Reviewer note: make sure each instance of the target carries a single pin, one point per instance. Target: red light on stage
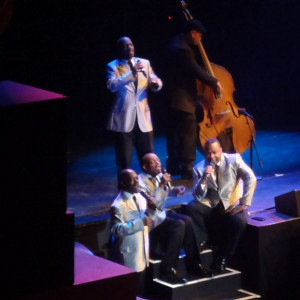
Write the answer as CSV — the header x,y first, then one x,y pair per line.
x,y
169,18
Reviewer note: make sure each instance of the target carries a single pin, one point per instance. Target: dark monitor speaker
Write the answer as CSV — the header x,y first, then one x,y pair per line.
x,y
288,203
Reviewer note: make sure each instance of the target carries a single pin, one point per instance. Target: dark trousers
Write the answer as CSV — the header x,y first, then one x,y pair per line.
x,y
141,283
170,234
174,233
181,141
124,143
221,229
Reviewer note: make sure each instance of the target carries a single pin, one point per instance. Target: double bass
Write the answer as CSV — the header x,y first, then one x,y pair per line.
x,y
222,118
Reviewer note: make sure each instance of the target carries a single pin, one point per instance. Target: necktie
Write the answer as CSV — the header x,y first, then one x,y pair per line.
x,y
136,204
217,174
131,66
133,72
215,199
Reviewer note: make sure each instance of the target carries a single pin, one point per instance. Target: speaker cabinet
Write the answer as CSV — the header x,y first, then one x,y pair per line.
x,y
268,257
288,203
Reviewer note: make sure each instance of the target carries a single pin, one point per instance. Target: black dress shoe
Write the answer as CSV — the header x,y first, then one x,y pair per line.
x,y
220,265
171,276
199,271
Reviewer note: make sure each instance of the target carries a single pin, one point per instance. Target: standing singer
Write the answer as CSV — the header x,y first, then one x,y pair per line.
x,y
129,77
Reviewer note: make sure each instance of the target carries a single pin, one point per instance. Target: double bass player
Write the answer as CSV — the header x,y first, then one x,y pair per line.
x,y
185,66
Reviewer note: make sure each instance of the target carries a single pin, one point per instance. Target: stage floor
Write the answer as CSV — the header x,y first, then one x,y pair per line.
x,y
92,179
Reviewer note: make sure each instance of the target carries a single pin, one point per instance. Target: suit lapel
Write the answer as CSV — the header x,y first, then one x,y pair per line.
x,y
131,207
123,67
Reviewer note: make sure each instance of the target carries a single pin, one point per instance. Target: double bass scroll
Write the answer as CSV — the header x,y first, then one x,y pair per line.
x,y
222,118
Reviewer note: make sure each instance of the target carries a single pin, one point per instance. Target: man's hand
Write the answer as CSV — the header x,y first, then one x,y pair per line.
x,y
218,90
151,203
178,190
138,66
153,82
207,171
238,209
165,179
147,221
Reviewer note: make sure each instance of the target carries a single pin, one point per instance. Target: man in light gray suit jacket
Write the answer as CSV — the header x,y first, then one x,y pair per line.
x,y
129,77
130,226
224,187
173,230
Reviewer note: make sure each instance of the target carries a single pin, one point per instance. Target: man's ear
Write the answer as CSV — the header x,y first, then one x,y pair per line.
x,y
122,184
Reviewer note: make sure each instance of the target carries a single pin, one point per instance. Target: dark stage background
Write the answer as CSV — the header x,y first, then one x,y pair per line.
x,y
64,45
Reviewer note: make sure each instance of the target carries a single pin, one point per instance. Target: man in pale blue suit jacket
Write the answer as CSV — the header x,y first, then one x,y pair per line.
x,y
130,226
129,77
172,229
224,188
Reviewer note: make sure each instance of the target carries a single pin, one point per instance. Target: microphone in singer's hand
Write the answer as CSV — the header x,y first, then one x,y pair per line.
x,y
148,198
143,69
163,170
213,166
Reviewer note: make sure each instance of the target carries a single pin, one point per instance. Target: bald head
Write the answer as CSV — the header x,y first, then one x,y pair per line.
x,y
151,164
128,181
125,48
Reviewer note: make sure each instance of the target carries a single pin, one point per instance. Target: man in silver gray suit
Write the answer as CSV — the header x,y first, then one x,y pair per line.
x,y
129,227
223,189
129,78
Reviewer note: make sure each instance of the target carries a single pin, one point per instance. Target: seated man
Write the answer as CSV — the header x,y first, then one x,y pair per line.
x,y
172,229
218,215
130,226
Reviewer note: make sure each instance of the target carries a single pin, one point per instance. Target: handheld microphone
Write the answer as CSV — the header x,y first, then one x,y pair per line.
x,y
208,174
148,197
163,171
143,69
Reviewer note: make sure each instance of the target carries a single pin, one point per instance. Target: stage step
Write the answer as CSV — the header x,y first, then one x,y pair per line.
x,y
206,258
221,286
95,278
